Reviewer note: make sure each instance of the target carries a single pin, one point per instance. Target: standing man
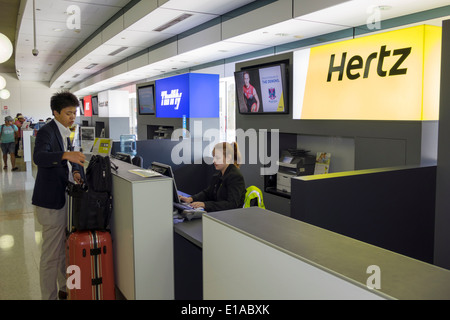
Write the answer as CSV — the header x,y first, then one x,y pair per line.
x,y
8,137
19,121
55,163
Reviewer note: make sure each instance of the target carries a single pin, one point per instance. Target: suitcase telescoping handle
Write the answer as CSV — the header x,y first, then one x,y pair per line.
x,y
80,169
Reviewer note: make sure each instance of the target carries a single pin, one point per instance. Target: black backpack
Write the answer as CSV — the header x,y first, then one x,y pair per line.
x,y
90,204
98,174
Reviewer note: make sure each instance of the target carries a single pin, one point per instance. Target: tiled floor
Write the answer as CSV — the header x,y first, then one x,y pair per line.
x,y
19,236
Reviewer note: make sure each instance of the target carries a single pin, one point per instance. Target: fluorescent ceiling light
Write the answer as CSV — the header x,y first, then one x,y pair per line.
x,y
117,51
91,65
173,22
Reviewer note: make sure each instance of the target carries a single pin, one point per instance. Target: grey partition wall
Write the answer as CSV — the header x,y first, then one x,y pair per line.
x,y
191,177
442,247
391,208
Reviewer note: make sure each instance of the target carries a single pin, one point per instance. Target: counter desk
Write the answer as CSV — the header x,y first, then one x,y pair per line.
x,y
142,233
258,254
188,239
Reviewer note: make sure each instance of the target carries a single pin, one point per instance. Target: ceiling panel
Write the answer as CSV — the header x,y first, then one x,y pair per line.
x,y
130,38
56,46
356,12
54,40
161,16
212,7
286,32
90,11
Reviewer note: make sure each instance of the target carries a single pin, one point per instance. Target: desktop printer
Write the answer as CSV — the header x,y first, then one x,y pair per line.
x,y
293,163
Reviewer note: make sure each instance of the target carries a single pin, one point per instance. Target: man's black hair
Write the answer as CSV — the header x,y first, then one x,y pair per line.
x,y
63,100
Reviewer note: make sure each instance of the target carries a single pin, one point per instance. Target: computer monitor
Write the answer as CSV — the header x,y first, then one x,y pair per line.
x,y
125,157
166,170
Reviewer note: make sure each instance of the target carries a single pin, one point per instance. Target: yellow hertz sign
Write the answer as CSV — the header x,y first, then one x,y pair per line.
x,y
387,76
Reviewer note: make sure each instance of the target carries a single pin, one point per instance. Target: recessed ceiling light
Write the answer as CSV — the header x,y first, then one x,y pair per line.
x,y
173,22
91,65
117,51
58,29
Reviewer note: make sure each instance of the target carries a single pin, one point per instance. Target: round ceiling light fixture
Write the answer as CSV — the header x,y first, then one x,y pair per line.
x,y
6,48
4,94
2,83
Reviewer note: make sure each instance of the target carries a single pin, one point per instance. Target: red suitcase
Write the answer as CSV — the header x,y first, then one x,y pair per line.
x,y
89,253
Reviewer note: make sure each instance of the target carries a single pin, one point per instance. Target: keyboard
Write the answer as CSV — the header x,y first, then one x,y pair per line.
x,y
188,212
182,206
193,214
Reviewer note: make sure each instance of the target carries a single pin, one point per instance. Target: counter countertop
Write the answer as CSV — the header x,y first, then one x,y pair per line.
x,y
401,277
191,230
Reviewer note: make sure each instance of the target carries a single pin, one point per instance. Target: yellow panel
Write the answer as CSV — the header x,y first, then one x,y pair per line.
x,y
377,77
432,72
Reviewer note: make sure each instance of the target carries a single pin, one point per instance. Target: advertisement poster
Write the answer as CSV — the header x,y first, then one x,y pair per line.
x,y
272,89
87,138
87,106
322,163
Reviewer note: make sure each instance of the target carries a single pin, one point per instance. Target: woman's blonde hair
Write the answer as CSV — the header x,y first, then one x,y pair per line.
x,y
229,149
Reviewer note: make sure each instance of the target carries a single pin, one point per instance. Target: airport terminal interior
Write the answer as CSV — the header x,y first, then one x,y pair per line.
x,y
340,109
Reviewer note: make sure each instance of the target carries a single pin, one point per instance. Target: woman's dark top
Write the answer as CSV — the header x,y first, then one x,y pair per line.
x,y
225,192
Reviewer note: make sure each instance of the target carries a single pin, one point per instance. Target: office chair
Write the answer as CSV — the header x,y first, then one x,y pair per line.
x,y
138,161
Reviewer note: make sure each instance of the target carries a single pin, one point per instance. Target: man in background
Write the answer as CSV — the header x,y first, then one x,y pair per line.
x,y
8,138
19,121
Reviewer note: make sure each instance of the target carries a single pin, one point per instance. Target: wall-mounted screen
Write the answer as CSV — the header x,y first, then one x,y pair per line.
x,y
146,99
262,90
95,105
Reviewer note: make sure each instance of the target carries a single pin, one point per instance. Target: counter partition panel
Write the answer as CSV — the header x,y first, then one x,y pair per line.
x,y
393,208
257,254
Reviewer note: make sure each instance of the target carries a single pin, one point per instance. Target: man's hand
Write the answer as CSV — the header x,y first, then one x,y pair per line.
x,y
75,157
77,177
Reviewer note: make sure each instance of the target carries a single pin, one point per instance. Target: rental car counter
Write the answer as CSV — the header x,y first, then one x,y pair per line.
x,y
256,254
249,254
142,233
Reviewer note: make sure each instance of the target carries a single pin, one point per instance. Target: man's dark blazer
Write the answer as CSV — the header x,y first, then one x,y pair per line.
x,y
53,173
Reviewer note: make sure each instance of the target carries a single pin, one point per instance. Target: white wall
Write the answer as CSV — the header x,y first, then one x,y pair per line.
x,y
30,98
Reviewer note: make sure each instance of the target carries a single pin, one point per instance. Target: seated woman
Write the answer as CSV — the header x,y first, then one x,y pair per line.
x,y
227,190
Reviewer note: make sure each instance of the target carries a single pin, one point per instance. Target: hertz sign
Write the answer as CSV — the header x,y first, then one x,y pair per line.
x,y
388,76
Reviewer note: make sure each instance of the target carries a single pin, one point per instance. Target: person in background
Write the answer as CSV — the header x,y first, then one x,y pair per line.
x,y
19,121
55,164
227,190
8,138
